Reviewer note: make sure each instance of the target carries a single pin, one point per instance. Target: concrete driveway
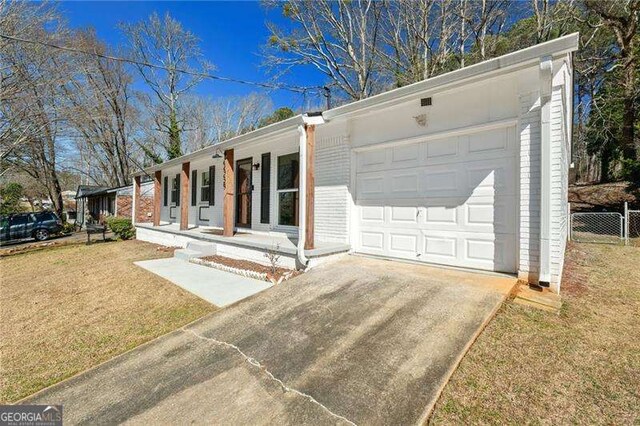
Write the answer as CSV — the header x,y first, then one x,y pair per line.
x,y
359,341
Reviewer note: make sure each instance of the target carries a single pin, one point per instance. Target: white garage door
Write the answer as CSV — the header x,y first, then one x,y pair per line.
x,y
450,201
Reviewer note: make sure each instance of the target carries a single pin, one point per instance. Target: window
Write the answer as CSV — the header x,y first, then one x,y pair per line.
x,y
175,192
288,175
22,219
204,190
166,190
194,187
265,188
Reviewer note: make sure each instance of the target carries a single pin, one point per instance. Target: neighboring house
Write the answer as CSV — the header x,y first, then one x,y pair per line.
x,y
467,169
97,203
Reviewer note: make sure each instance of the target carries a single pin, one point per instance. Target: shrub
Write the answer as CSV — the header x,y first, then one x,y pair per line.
x,y
68,228
122,227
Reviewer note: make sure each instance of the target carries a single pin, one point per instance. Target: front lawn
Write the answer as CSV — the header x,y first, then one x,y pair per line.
x,y
579,367
66,309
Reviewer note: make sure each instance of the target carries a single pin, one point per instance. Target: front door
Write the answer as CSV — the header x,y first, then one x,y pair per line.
x,y
244,188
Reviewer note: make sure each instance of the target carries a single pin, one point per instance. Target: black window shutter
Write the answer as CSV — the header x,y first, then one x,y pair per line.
x,y
194,187
265,188
212,185
166,190
178,189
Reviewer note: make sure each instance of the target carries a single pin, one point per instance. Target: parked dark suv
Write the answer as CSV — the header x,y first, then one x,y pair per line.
x,y
38,225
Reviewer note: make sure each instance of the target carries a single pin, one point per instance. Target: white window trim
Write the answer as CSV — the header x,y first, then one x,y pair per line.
x,y
201,186
276,219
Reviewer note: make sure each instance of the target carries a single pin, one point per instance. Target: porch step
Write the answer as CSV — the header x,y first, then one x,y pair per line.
x,y
195,249
207,249
186,254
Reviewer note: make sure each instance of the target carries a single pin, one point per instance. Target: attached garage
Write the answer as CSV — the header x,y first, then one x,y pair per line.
x,y
451,200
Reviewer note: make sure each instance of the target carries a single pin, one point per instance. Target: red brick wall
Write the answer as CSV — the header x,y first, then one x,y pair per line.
x,y
145,209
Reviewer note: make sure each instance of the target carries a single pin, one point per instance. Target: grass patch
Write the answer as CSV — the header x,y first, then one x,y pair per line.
x,y
66,309
581,366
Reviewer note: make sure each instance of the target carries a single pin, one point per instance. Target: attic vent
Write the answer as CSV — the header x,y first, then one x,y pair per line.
x,y
425,102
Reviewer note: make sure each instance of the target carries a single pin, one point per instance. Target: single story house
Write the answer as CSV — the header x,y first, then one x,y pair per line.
x,y
467,169
97,203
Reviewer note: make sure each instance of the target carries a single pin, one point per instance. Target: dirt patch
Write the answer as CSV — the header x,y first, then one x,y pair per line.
x,y
581,366
253,266
66,309
603,197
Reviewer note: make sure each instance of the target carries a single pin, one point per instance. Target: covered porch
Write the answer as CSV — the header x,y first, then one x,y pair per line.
x,y
246,245
249,194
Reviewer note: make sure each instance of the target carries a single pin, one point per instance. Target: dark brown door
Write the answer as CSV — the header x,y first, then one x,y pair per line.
x,y
244,188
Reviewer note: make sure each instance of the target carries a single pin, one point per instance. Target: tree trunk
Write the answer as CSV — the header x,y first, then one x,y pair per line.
x,y
630,147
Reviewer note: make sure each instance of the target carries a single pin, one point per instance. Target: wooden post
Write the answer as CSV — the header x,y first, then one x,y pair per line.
x,y
184,196
136,200
157,197
229,192
309,241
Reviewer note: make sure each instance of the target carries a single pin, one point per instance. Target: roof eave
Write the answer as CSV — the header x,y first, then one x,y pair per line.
x,y
506,63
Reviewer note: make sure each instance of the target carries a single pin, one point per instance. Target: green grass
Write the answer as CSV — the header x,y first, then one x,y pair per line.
x,y
579,366
66,309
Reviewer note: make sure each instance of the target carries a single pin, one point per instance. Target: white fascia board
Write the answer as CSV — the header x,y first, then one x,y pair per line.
x,y
506,63
270,130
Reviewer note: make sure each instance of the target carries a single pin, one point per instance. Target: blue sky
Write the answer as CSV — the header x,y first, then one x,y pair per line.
x,y
231,34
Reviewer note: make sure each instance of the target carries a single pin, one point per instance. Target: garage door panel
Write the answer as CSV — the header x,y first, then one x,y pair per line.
x,y
403,215
404,183
490,177
405,156
440,248
369,161
372,214
372,241
470,250
371,186
442,150
403,243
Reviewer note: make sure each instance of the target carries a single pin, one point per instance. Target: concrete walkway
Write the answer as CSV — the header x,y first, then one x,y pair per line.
x,y
358,341
215,286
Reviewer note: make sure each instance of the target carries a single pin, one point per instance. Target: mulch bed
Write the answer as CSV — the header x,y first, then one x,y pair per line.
x,y
251,266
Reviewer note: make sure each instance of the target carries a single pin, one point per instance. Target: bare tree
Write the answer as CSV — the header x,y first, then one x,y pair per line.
x,y
338,38
165,43
485,19
100,111
31,76
622,17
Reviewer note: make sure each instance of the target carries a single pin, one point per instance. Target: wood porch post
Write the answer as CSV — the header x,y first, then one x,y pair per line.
x,y
309,241
229,191
136,200
157,191
184,196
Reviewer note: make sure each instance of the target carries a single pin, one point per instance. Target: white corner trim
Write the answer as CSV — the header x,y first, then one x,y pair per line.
x,y
133,203
546,78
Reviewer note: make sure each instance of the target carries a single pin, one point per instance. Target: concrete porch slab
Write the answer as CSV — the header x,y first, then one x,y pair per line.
x,y
217,287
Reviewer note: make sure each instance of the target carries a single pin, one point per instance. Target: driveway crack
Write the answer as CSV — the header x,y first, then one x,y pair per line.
x,y
262,368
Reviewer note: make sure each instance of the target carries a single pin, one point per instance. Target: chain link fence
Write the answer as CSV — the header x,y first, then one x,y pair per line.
x,y
602,227
606,227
